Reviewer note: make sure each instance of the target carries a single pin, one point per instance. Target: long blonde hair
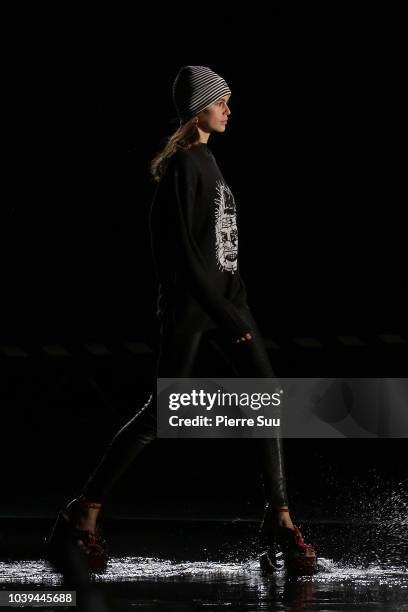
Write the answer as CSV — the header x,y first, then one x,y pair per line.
x,y
184,137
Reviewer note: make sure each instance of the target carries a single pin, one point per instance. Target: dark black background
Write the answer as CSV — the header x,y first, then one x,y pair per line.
x,y
311,156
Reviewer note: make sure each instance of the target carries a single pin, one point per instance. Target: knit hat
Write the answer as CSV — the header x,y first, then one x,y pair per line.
x,y
195,88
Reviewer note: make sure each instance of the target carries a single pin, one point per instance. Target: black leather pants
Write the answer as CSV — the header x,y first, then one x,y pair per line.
x,y
176,358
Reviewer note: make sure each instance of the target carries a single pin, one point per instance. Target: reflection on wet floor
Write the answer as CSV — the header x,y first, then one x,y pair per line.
x,y
178,565
149,583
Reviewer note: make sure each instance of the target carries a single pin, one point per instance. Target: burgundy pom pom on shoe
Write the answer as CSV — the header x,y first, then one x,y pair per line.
x,y
64,534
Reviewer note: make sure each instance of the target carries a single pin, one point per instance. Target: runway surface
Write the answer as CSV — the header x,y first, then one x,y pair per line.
x,y
213,566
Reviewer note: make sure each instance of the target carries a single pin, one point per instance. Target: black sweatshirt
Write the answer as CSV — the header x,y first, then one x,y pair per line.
x,y
194,238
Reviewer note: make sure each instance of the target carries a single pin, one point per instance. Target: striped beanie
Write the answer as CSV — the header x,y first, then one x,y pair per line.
x,y
195,88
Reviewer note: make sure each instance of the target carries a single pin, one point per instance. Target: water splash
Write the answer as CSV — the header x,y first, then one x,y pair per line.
x,y
237,585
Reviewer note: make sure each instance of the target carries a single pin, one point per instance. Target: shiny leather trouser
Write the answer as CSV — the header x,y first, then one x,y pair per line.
x,y
177,354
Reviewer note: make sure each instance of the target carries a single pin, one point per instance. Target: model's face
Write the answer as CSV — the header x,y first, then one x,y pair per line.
x,y
215,117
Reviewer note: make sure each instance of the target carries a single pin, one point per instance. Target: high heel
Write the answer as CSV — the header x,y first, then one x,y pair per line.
x,y
300,558
93,545
287,545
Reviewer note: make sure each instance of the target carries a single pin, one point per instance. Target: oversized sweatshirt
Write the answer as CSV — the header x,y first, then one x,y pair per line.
x,y
194,238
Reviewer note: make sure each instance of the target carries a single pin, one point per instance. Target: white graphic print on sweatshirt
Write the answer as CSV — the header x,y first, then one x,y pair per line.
x,y
226,231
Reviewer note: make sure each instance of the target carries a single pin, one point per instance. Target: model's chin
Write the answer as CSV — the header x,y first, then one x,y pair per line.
x,y
220,127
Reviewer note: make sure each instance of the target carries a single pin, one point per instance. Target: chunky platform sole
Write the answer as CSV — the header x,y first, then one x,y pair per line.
x,y
287,549
64,539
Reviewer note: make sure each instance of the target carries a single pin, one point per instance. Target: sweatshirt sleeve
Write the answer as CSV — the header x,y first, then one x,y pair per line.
x,y
184,178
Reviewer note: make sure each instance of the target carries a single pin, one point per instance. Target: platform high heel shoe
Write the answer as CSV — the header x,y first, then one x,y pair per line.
x,y
64,533
285,548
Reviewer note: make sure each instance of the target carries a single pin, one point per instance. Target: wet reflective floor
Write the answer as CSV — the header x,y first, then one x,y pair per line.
x,y
156,584
182,565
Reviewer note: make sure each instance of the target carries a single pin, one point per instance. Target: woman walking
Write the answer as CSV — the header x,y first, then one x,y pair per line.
x,y
202,300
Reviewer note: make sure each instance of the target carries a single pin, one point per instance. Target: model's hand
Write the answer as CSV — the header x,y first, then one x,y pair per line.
x,y
245,338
